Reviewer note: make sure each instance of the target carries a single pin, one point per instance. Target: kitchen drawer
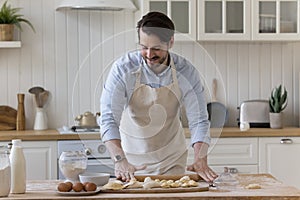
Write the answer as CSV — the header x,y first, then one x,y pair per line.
x,y
230,151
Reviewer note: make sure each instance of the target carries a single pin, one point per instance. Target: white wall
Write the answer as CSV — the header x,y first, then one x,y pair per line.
x,y
71,52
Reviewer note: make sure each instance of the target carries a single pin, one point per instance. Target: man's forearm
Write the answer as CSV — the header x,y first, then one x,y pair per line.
x,y
200,150
114,147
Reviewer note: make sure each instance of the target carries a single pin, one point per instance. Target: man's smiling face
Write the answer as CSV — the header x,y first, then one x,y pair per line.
x,y
154,51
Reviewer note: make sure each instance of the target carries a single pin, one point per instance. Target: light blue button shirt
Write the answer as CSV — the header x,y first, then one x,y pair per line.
x,y
120,85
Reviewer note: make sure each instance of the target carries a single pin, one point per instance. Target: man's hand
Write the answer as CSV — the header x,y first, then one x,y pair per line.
x,y
200,163
125,171
200,167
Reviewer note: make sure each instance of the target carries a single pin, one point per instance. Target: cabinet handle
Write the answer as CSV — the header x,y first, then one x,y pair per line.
x,y
286,141
88,151
9,145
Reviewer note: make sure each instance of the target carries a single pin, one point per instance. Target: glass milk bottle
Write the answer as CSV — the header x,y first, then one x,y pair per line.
x,y
18,168
4,172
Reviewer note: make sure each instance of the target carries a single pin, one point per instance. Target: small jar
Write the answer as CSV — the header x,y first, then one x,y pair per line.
x,y
4,172
226,181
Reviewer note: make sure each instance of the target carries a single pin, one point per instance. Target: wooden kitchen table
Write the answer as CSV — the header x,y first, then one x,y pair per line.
x,y
270,189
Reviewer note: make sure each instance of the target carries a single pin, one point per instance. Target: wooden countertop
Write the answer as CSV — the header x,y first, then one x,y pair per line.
x,y
31,135
255,132
270,189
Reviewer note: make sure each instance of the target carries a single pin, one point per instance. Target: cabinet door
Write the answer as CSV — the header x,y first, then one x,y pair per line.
x,y
41,159
275,19
280,157
224,20
182,12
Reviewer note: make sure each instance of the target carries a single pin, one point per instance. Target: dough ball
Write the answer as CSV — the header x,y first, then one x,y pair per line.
x,y
114,185
151,184
253,186
147,179
184,179
133,183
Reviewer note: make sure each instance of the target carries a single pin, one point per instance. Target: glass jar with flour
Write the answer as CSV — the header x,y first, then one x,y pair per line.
x,y
4,172
71,164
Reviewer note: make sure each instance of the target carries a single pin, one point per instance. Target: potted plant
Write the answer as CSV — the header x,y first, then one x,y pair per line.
x,y
277,102
9,18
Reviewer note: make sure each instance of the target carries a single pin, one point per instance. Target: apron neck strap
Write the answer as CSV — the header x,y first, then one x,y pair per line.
x,y
173,71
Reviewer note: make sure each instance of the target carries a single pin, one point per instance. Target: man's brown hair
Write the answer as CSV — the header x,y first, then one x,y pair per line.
x,y
158,24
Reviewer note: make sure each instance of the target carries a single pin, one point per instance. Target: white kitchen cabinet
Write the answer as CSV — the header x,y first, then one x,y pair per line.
x,y
239,154
182,12
41,159
275,19
224,20
280,157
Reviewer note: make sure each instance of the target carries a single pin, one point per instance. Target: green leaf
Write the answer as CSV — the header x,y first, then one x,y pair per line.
x,y
278,99
9,15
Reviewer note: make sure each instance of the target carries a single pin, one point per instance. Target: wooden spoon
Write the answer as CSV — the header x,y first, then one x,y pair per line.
x,y
36,90
43,97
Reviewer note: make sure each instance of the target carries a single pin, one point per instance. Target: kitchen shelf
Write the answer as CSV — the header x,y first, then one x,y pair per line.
x,y
10,44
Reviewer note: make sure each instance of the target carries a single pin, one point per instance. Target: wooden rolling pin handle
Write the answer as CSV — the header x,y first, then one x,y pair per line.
x,y
20,123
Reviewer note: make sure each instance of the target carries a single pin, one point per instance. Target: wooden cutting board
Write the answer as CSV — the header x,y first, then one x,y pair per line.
x,y
203,186
8,118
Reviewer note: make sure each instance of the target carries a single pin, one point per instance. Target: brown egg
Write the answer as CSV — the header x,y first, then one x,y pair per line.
x,y
84,184
63,187
90,187
70,185
77,187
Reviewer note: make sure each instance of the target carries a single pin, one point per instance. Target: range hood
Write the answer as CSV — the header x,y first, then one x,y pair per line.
x,y
101,5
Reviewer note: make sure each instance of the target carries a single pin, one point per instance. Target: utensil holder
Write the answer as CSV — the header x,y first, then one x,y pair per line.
x,y
40,122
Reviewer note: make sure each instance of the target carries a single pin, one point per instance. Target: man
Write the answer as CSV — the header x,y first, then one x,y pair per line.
x,y
141,102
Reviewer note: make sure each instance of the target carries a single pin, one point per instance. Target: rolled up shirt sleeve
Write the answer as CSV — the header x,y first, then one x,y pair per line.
x,y
194,101
111,110
116,92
